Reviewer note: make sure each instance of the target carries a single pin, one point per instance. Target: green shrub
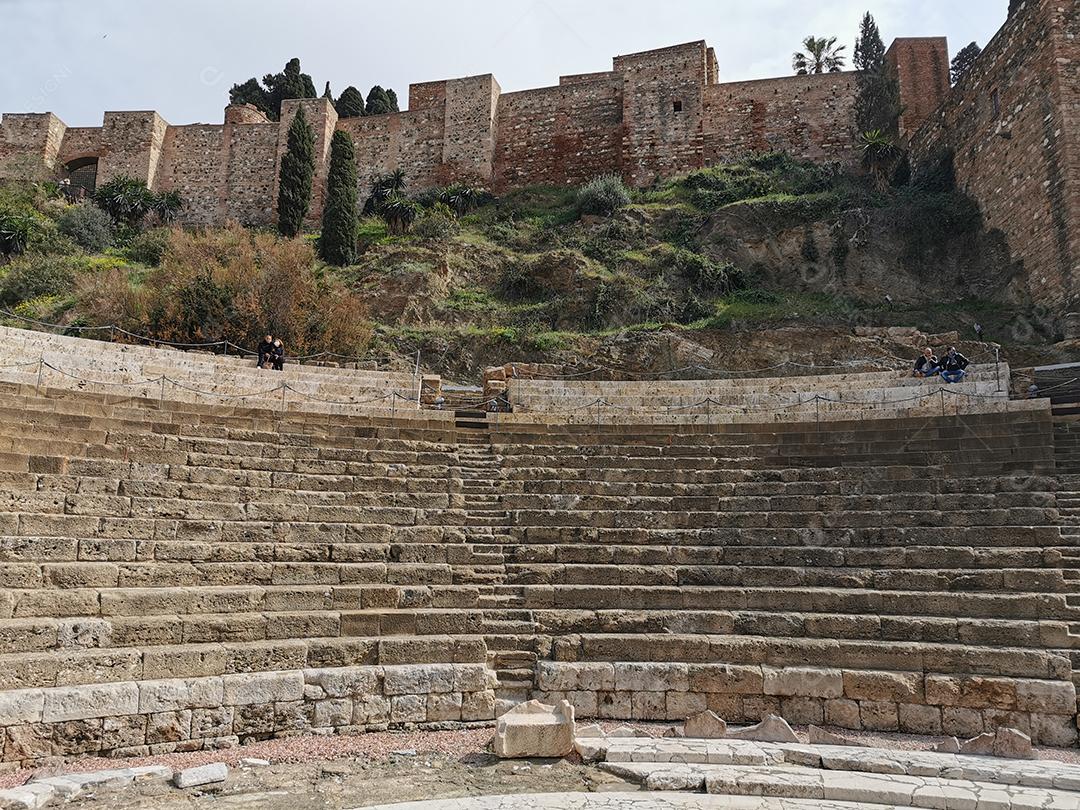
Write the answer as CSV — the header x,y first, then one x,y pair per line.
x,y
36,276
149,246
437,224
88,226
17,230
706,276
603,196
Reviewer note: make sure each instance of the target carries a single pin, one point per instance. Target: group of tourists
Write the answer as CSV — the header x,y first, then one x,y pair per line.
x,y
952,368
272,353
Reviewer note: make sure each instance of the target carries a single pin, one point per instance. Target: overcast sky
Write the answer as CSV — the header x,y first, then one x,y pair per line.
x,y
78,58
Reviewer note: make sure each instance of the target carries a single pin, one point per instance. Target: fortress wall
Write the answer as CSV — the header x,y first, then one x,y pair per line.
x,y
79,142
193,161
559,135
1007,124
410,140
811,117
469,128
582,78
29,144
427,96
661,140
250,173
131,146
921,66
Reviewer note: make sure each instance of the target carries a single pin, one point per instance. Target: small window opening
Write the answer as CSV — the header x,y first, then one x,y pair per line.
x,y
677,106
995,97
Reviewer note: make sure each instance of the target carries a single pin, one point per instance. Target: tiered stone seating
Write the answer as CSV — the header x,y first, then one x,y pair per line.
x,y
174,576
901,574
177,574
63,362
830,396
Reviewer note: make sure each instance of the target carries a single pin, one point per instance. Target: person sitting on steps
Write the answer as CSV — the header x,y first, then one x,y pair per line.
x,y
954,366
265,351
927,365
278,355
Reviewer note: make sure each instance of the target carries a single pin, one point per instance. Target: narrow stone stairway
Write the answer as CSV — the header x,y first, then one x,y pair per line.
x,y
508,629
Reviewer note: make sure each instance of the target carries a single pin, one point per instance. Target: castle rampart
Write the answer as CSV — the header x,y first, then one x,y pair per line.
x,y
654,115
1011,128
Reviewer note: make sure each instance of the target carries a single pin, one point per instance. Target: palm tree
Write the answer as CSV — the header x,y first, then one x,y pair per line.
x,y
880,154
822,56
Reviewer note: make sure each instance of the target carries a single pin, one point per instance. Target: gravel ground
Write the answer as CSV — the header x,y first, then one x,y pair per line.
x,y
329,773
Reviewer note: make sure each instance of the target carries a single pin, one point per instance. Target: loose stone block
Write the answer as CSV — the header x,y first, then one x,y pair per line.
x,y
203,775
534,729
706,726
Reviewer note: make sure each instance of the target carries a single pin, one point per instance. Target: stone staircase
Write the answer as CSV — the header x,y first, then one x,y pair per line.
x,y
508,632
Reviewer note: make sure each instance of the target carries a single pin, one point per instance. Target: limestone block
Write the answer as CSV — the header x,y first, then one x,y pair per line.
x,y
171,695
203,775
588,677
803,682
1046,697
681,705
444,707
1012,744
648,706
473,678
960,722
981,745
971,691
344,681
950,745
408,709
28,797
93,700
168,727
215,722
897,687
819,736
333,713
705,726
878,715
803,710
19,706
726,679
371,710
477,706
407,680
649,677
614,705
534,729
918,719
1053,729
843,713
262,687
771,729
591,731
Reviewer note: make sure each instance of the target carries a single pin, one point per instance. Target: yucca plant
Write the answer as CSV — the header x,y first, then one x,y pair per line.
x,y
879,156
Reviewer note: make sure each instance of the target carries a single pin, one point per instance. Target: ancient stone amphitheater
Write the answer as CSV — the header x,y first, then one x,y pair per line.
x,y
196,552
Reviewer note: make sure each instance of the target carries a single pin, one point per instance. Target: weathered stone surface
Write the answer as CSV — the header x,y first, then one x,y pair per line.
x,y
262,687
705,725
93,700
202,775
803,682
981,745
771,729
1012,744
534,729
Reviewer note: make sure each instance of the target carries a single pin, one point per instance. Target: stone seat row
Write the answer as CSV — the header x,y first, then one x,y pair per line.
x,y
26,346
849,380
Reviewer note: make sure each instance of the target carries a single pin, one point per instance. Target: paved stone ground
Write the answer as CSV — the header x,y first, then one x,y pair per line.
x,y
355,783
627,801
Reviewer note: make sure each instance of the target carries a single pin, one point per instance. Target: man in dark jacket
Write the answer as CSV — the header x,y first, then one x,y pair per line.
x,y
954,366
266,351
927,365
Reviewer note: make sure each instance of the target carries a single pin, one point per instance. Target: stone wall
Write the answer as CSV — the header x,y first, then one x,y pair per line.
x,y
874,700
654,115
140,718
921,67
1011,125
562,135
811,117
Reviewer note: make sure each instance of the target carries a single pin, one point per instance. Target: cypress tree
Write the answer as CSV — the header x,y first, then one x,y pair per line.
x,y
877,99
351,103
379,102
337,245
297,173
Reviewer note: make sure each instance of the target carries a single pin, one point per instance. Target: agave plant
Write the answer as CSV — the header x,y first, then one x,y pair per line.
x,y
167,205
879,155
383,187
399,213
822,55
15,232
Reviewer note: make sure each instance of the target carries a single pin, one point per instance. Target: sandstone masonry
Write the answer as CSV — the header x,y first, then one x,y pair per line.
x,y
654,115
